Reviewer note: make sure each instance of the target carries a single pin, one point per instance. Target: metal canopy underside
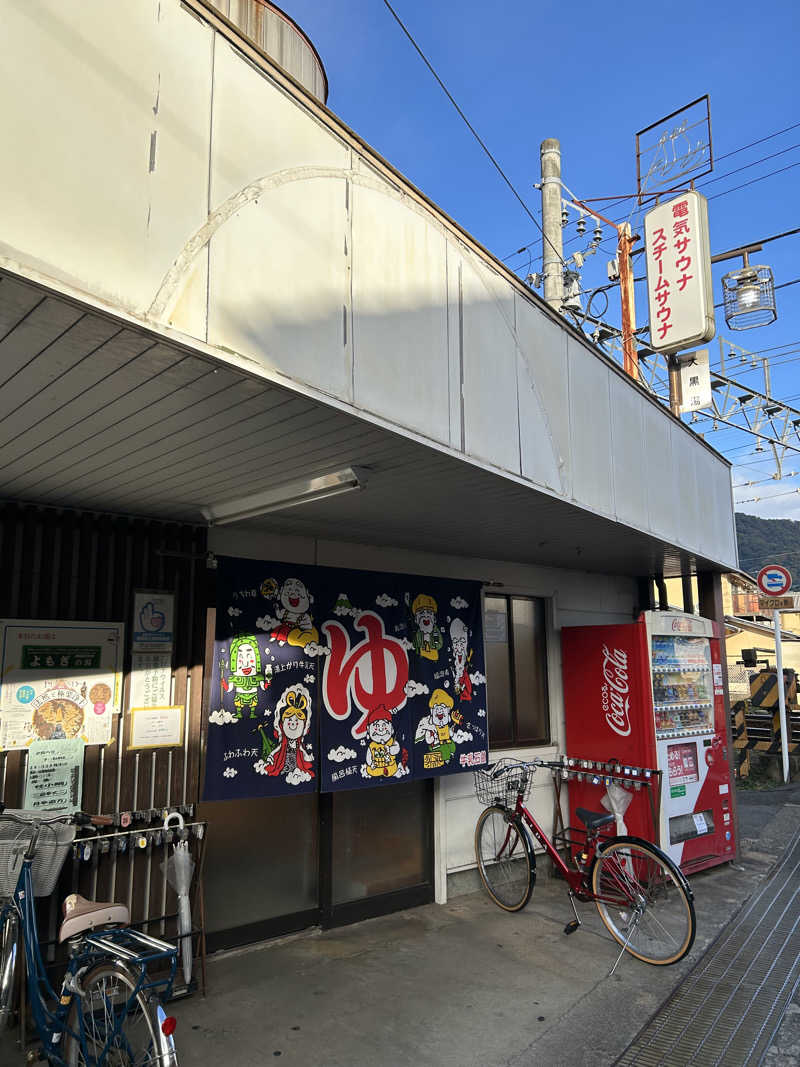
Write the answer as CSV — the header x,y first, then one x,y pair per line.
x,y
101,415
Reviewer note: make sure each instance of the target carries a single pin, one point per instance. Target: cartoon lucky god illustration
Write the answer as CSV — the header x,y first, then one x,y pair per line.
x,y
461,654
383,749
246,678
292,722
295,625
434,729
428,637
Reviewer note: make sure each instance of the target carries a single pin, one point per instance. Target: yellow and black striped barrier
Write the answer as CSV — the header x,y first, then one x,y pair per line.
x,y
764,688
759,730
740,742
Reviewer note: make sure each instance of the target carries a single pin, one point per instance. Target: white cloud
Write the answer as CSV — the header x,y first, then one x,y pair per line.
x,y
260,767
407,645
477,678
415,689
460,736
481,713
401,770
447,683
266,622
296,777
458,602
230,772
313,649
234,611
309,679
340,754
385,601
220,717
346,608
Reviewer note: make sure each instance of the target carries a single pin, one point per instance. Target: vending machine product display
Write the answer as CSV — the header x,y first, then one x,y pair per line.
x,y
648,695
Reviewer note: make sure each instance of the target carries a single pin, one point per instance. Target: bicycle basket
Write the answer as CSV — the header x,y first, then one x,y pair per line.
x,y
52,850
503,784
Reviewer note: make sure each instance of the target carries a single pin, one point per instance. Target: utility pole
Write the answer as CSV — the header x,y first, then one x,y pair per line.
x,y
674,372
625,243
552,248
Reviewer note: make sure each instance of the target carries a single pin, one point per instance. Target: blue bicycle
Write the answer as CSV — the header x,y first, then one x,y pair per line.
x,y
109,1011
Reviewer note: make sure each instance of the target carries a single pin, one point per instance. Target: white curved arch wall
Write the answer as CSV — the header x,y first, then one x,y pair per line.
x,y
140,178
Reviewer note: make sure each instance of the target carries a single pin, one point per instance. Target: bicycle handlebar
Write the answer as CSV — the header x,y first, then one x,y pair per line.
x,y
78,818
507,762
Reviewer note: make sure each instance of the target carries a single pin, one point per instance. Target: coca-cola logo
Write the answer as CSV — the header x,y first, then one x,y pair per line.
x,y
614,693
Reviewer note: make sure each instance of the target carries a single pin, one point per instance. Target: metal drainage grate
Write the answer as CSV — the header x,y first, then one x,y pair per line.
x,y
726,1012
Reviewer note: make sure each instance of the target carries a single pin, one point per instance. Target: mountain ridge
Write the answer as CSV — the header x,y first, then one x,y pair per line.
x,y
763,541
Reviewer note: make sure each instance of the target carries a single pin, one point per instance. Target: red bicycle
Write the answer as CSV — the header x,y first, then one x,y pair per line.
x,y
643,899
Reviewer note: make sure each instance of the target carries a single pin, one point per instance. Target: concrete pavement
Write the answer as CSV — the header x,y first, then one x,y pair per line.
x,y
466,984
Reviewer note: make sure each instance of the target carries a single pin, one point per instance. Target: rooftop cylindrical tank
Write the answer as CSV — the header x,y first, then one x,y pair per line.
x,y
281,38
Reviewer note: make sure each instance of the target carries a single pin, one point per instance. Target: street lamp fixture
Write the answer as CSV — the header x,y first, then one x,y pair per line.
x,y
749,296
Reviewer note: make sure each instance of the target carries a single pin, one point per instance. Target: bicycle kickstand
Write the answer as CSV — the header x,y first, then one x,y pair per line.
x,y
573,924
624,947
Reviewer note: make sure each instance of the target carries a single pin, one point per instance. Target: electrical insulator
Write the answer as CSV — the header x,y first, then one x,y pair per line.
x,y
581,226
564,217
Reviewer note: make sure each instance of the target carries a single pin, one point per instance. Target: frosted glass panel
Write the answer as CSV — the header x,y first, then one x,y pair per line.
x,y
381,840
262,859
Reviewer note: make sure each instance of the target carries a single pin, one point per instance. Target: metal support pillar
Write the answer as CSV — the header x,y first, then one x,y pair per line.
x,y
645,601
688,595
663,598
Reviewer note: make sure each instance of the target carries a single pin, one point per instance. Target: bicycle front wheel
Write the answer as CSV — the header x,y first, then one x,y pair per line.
x,y
116,1030
505,858
644,901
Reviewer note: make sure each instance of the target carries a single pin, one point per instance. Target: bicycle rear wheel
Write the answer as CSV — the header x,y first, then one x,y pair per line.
x,y
505,858
644,901
127,1035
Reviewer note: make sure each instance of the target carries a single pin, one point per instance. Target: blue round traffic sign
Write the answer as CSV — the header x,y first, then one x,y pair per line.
x,y
774,580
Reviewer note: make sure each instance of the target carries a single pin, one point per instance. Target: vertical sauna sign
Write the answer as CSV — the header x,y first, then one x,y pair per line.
x,y
325,678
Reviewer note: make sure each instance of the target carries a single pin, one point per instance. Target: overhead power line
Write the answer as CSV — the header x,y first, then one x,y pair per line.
x,y
763,499
470,127
725,155
753,181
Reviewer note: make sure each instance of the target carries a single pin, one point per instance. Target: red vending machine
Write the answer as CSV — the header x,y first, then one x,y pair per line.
x,y
648,696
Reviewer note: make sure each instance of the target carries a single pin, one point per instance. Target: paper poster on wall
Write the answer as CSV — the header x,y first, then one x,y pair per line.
x,y
329,679
54,776
153,621
151,679
60,681
156,727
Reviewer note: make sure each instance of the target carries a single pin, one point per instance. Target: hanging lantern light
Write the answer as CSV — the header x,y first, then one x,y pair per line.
x,y
749,296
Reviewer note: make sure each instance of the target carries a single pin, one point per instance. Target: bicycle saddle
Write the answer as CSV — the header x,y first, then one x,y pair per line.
x,y
81,914
594,819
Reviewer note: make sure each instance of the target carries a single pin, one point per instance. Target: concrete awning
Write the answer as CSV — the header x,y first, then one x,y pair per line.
x,y
102,412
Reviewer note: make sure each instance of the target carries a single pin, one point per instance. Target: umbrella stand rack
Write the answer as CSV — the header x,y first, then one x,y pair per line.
x,y
603,774
136,866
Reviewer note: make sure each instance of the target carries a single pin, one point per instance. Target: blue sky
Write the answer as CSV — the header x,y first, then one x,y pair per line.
x,y
591,76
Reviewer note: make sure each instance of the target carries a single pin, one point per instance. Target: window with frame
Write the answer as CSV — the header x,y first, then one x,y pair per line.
x,y
516,670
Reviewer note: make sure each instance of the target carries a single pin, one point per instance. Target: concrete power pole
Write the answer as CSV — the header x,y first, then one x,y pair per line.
x,y
552,257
